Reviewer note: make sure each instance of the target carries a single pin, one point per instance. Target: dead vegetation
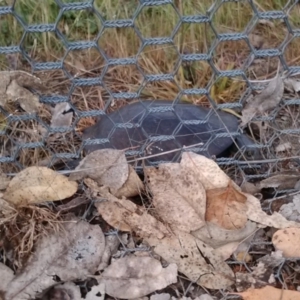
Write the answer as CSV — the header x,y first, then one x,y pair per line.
x,y
25,225
191,38
198,218
22,227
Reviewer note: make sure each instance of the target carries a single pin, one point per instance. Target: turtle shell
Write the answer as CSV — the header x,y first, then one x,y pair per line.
x,y
157,129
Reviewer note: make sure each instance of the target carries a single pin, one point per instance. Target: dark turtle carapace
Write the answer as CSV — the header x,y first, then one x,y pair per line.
x,y
154,129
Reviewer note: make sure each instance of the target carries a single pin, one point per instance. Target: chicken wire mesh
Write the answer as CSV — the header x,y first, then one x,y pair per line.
x,y
98,56
183,63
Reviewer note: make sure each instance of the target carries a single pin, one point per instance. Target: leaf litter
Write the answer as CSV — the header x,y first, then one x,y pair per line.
x,y
109,167
132,277
39,184
292,85
73,254
261,274
226,207
269,292
14,88
198,217
62,115
282,180
291,210
177,193
125,215
268,99
288,241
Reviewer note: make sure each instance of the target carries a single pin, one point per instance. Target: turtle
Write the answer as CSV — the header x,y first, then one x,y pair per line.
x,y
157,130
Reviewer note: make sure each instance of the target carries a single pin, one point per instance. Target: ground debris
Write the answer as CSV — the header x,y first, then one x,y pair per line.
x,y
288,241
291,210
181,226
269,292
14,87
132,277
38,184
268,99
61,115
70,255
109,167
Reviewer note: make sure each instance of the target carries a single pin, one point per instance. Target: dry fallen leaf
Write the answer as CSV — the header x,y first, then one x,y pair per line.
x,y
133,277
178,196
62,115
269,292
211,176
283,180
256,214
217,237
133,185
13,87
248,113
112,243
178,189
72,254
206,170
124,215
73,203
292,85
39,184
4,83
196,260
114,214
249,188
226,207
268,99
27,100
288,241
109,167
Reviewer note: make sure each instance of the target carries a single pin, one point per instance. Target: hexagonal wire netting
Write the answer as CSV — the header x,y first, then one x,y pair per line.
x,y
101,55
98,56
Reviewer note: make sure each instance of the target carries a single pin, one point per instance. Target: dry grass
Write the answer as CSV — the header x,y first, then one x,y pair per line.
x,y
23,226
156,21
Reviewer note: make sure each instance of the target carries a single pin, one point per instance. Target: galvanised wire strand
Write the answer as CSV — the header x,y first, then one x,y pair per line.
x,y
197,18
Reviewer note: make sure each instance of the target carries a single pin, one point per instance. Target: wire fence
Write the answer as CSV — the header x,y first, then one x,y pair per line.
x,y
217,71
98,56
